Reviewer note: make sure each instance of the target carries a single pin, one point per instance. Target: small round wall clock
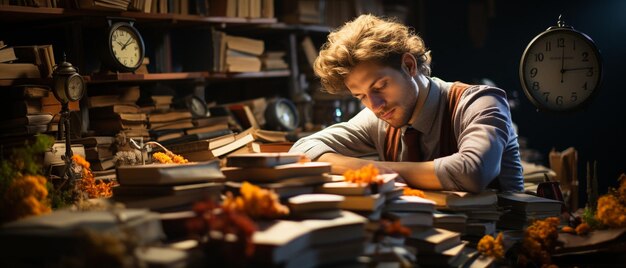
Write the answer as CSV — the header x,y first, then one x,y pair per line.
x,y
561,69
125,49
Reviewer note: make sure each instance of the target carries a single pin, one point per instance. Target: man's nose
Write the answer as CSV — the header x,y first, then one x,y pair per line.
x,y
377,102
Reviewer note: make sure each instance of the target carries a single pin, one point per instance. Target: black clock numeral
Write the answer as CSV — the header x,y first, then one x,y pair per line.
x,y
560,42
589,72
535,85
533,72
585,56
574,98
574,44
548,46
559,100
546,95
585,86
539,57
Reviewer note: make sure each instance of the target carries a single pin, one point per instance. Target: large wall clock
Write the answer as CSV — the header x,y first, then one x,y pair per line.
x,y
561,69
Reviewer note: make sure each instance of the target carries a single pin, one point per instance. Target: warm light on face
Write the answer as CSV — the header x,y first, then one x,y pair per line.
x,y
384,90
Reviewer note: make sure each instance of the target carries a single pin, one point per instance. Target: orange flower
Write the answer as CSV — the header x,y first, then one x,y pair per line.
x,y
26,196
88,183
256,202
414,192
539,241
492,247
169,158
367,174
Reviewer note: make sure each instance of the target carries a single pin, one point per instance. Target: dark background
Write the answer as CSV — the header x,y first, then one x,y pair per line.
x,y
471,40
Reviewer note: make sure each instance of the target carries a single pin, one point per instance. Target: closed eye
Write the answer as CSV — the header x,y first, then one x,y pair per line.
x,y
382,86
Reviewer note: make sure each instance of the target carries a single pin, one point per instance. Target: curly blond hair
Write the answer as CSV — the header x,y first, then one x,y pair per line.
x,y
367,38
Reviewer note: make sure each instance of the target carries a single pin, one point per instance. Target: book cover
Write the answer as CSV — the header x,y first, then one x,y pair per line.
x,y
455,200
528,203
351,188
276,173
368,203
280,240
410,203
259,160
309,202
202,145
434,240
170,174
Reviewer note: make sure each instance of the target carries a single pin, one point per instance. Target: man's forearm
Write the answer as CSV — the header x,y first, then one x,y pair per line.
x,y
416,174
419,175
341,163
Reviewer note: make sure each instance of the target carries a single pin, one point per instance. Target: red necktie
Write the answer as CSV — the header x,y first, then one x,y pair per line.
x,y
412,141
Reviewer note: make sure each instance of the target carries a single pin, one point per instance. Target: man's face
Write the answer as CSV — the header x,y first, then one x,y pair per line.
x,y
389,93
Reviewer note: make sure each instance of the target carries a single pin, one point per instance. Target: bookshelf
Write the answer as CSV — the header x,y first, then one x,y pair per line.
x,y
76,28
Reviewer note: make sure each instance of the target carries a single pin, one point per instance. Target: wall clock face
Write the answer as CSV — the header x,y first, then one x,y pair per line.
x,y
75,87
561,70
125,47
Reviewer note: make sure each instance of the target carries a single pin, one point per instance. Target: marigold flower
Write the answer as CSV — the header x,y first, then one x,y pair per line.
x,y
367,174
413,192
256,202
489,246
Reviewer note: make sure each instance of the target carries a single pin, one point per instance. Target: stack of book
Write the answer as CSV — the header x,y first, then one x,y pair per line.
x,y
99,151
23,114
212,145
414,212
204,128
365,199
60,235
450,221
436,247
32,61
164,187
118,118
113,110
315,206
274,60
236,53
481,210
279,172
523,208
310,242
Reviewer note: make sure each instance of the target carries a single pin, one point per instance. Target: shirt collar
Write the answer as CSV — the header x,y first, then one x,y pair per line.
x,y
426,117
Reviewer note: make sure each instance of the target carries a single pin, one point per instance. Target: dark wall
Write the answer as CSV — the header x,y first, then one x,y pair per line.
x,y
492,49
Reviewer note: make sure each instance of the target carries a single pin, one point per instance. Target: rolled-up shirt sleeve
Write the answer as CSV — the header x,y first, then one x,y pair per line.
x,y
352,138
484,122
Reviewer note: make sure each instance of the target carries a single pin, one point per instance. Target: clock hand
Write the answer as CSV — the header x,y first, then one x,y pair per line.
x,y
127,43
562,63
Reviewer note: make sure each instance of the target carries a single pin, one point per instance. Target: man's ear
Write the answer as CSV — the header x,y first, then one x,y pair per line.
x,y
409,64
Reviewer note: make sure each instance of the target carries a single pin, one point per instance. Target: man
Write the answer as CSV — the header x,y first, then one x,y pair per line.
x,y
436,135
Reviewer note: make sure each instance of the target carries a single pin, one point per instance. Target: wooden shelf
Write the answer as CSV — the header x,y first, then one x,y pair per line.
x,y
130,77
265,74
18,13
